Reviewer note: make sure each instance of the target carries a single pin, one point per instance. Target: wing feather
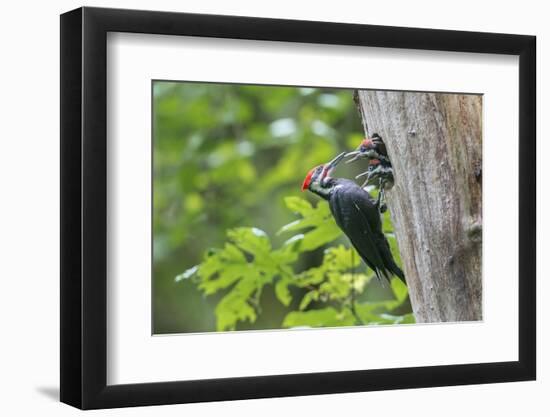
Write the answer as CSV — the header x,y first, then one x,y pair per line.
x,y
356,214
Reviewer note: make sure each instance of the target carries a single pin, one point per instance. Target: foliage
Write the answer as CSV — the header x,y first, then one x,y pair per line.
x,y
227,158
248,262
318,219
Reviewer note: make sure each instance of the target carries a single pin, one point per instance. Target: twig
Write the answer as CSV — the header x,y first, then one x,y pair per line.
x,y
352,308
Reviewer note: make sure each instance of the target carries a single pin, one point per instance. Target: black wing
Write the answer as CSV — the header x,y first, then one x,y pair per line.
x,y
357,215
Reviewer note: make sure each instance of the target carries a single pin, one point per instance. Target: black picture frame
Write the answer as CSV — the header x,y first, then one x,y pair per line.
x,y
84,207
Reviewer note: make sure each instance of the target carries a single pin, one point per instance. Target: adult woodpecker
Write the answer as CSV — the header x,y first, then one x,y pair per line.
x,y
356,213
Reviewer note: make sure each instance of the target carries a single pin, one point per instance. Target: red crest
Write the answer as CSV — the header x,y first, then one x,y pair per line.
x,y
307,179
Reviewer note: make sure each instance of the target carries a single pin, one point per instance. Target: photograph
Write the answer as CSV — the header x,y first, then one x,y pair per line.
x,y
259,205
295,207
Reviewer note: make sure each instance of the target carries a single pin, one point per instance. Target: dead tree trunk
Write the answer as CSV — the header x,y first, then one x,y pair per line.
x,y
434,143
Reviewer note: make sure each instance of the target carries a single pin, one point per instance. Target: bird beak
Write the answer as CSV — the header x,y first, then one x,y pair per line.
x,y
329,167
355,155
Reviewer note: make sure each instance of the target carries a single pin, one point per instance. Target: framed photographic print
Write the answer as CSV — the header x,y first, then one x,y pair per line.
x,y
259,207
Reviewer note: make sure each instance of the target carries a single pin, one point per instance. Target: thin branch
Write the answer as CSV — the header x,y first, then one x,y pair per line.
x,y
352,293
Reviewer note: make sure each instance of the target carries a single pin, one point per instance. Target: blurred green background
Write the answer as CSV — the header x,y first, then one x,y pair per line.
x,y
227,156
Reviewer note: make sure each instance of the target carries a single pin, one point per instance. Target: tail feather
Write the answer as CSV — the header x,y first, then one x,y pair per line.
x,y
383,275
386,274
398,272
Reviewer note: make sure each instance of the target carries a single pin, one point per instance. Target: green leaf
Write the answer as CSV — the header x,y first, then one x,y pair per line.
x,y
294,243
392,319
320,236
234,306
319,221
308,298
370,311
399,289
299,205
326,317
227,276
386,223
295,225
245,276
337,287
251,240
287,254
341,258
312,276
408,319
332,280
282,292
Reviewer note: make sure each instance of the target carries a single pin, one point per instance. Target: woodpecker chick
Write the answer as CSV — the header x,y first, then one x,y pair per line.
x,y
379,171
370,148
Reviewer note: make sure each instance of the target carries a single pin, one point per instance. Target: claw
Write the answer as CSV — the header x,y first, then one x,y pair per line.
x,y
367,180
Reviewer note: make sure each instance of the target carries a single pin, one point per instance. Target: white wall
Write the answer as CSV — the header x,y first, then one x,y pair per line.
x,y
29,240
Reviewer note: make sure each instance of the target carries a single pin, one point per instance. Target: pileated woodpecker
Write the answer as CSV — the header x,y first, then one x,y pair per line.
x,y
379,169
372,148
356,213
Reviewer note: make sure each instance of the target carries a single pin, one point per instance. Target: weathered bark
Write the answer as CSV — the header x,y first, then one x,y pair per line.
x,y
434,143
